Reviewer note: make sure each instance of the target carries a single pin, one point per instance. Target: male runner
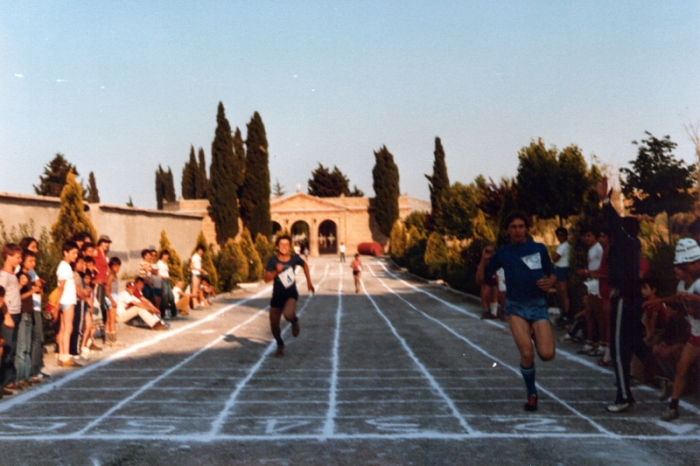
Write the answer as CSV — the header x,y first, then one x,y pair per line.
x,y
280,268
530,274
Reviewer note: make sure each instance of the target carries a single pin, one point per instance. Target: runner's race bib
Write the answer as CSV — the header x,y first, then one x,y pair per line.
x,y
533,262
287,277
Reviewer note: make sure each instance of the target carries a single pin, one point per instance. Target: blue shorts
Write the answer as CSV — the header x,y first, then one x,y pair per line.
x,y
562,273
532,311
158,292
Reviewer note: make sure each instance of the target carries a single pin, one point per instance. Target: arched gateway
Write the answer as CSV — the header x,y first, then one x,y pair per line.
x,y
329,221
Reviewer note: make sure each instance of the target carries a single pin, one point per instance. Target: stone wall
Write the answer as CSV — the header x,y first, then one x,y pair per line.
x,y
131,229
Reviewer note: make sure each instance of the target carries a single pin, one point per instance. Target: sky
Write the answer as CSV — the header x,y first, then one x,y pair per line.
x,y
120,87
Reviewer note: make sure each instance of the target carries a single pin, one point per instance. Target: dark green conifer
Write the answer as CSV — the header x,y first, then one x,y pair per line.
x,y
93,193
223,191
188,177
54,178
201,180
255,195
385,175
438,182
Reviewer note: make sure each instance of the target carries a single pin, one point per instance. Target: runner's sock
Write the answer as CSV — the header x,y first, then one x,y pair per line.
x,y
277,333
529,377
494,309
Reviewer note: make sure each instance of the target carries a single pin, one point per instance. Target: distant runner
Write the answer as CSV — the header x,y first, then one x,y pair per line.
x,y
280,268
530,274
356,267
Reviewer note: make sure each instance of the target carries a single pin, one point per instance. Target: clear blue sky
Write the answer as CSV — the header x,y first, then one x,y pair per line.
x,y
121,86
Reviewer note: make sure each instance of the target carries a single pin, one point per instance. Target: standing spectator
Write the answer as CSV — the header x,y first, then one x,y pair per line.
x,y
12,255
167,300
604,288
102,268
561,269
489,292
67,298
112,290
342,252
626,298
30,244
688,295
23,360
146,273
81,308
197,272
155,279
592,302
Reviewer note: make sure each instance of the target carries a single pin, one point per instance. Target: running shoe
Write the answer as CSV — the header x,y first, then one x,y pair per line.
x,y
586,349
531,404
566,339
670,414
619,407
597,351
296,328
666,389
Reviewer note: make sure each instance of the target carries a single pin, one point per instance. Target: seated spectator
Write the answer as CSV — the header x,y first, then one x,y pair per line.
x,y
129,306
182,299
208,291
138,292
668,350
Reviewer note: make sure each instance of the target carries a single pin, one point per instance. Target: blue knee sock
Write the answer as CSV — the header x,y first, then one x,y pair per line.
x,y
529,377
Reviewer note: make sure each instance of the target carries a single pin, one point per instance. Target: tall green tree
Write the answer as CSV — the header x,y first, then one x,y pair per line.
x,y
573,181
223,191
189,176
459,207
255,195
658,182
174,261
71,215
160,187
53,180
169,193
93,194
385,175
437,182
324,183
201,180
491,195
238,160
356,192
537,179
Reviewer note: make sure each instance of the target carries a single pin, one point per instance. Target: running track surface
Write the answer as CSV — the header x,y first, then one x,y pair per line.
x,y
400,373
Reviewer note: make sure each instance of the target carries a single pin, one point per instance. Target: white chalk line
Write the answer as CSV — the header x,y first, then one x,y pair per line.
x,y
685,405
51,385
329,425
462,422
600,428
218,423
165,374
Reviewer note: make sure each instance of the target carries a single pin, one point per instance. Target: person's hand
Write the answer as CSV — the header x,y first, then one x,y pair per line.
x,y
279,267
311,288
582,272
8,322
545,284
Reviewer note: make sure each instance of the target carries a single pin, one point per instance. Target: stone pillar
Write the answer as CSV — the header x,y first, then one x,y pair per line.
x,y
313,237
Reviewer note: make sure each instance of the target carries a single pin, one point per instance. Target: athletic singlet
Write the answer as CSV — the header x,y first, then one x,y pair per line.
x,y
285,281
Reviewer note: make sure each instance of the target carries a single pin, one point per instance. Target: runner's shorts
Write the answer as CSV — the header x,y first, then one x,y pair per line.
x,y
532,310
279,297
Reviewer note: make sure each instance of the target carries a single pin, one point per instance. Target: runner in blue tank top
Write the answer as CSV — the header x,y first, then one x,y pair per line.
x,y
529,275
280,268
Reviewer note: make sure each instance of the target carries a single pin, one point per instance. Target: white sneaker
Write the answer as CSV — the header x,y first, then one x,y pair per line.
x,y
85,352
586,349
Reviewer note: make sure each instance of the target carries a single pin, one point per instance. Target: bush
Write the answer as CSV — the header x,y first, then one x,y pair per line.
x,y
231,265
435,256
255,267
265,248
397,242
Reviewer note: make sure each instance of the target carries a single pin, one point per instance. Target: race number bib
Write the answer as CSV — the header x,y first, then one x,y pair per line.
x,y
287,277
533,262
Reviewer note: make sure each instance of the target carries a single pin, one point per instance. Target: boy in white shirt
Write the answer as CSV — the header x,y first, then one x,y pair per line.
x,y
593,303
182,299
67,300
561,264
12,255
197,272
163,274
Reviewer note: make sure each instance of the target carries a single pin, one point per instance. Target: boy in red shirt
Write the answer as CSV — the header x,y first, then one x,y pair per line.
x,y
655,316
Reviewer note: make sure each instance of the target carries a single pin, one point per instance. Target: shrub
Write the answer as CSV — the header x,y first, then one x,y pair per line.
x,y
435,256
231,265
255,267
265,248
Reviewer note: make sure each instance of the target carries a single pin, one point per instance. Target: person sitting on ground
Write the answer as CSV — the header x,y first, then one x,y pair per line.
x,y
655,316
182,299
129,306
688,295
208,291
561,269
138,292
667,352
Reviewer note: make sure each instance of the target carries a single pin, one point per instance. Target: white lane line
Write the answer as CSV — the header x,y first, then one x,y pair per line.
x,y
424,371
218,423
419,435
165,374
489,355
570,356
329,425
47,387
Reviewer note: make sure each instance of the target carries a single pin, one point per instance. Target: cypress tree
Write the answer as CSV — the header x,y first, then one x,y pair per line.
x,y
53,180
385,176
188,177
238,160
223,191
438,182
160,187
201,181
169,192
93,193
255,195
71,215
207,261
174,261
255,266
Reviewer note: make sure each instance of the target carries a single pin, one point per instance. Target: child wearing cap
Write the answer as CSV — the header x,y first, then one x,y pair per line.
x,y
688,296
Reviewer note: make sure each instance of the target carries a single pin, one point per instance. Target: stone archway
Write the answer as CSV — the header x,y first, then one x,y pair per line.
x,y
300,233
328,237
